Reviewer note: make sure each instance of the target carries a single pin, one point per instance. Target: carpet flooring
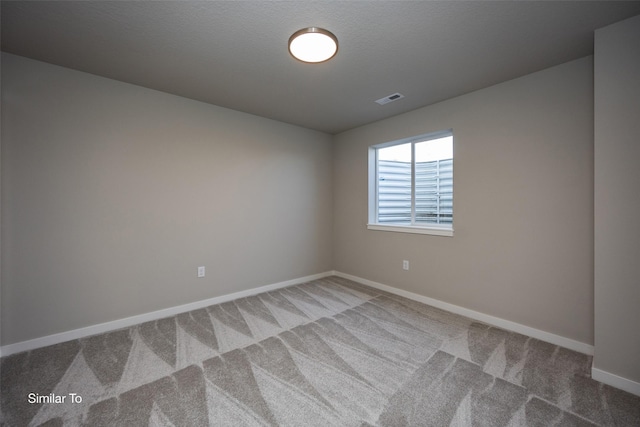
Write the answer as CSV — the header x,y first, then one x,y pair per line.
x,y
330,352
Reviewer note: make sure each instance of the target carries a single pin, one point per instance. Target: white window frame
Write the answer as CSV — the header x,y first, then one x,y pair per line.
x,y
373,224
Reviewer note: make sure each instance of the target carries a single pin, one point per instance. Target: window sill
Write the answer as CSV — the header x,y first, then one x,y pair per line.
x,y
415,229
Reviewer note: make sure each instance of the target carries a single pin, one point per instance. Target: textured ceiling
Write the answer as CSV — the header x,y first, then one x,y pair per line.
x,y
234,54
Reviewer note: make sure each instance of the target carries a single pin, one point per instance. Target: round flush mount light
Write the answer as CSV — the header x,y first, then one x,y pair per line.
x,y
313,45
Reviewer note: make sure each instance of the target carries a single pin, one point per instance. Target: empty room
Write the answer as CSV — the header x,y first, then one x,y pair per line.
x,y
320,213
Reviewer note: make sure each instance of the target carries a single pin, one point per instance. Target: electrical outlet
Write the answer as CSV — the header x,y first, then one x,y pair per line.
x,y
200,271
405,264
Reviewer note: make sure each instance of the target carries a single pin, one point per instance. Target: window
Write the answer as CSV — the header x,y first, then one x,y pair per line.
x,y
411,185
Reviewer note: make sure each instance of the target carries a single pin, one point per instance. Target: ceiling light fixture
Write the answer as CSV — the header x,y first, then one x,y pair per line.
x,y
313,45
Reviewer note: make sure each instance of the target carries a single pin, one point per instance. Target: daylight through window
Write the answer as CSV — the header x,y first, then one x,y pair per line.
x,y
411,185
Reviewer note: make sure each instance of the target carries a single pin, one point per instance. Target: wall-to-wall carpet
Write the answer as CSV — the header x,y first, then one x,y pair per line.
x,y
327,352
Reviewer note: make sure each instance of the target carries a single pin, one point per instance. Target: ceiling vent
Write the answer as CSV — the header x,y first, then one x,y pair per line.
x,y
390,98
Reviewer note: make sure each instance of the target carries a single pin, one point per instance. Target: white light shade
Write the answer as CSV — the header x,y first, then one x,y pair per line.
x,y
313,45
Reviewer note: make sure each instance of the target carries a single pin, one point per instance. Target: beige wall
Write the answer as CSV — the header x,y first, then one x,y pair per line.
x,y
0,203
617,200
523,204
113,194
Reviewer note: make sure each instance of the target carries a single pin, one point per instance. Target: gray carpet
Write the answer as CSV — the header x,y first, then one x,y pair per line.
x,y
326,353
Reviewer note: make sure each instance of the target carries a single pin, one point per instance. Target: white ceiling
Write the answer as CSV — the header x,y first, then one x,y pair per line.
x,y
234,54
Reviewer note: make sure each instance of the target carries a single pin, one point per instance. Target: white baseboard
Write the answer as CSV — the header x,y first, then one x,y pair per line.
x,y
616,381
141,318
172,311
485,318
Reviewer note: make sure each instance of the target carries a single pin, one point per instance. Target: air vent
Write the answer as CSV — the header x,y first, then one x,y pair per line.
x,y
390,98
